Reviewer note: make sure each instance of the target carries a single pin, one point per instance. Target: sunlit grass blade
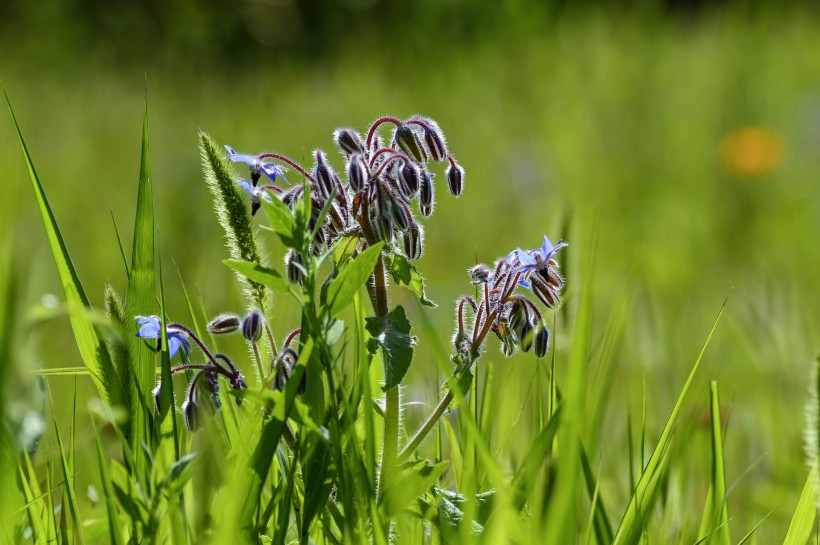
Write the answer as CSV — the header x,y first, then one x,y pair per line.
x,y
720,512
643,497
31,493
140,300
560,521
92,347
600,520
524,479
114,524
70,493
802,521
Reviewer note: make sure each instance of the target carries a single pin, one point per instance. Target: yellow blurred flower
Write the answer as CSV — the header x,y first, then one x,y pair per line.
x,y
751,151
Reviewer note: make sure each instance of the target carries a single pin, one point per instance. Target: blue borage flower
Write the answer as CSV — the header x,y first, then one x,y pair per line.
x,y
257,166
256,193
150,329
534,260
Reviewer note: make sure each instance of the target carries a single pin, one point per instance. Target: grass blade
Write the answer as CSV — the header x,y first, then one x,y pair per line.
x,y
802,521
140,300
632,523
720,513
92,347
114,524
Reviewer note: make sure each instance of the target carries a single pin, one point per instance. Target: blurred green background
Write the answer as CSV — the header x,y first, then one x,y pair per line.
x,y
675,144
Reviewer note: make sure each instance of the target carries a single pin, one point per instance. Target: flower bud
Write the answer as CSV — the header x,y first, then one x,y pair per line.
x,y
552,277
525,334
455,179
544,292
408,180
413,242
294,267
383,226
348,141
402,217
357,172
191,415
517,317
224,323
409,143
252,326
337,219
434,139
480,274
426,196
507,346
324,175
542,341
157,393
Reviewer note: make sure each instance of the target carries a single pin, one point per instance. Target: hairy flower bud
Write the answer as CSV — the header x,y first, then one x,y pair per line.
x,y
455,178
408,180
402,217
434,139
191,415
525,334
324,175
157,393
252,326
409,143
426,197
294,267
224,323
517,317
348,141
542,341
480,274
544,292
413,242
357,172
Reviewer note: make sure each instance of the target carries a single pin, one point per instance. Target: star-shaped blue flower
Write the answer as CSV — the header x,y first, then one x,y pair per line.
x,y
257,166
538,259
256,193
150,329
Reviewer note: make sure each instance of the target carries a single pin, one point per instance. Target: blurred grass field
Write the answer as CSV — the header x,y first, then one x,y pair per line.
x,y
621,134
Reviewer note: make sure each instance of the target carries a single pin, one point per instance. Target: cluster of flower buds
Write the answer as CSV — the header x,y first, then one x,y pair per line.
x,y
380,182
202,397
504,310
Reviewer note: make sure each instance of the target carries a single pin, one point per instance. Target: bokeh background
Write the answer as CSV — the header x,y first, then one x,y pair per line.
x,y
675,144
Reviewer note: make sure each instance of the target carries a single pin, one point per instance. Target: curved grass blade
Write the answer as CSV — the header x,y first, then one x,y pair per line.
x,y
91,345
720,513
643,497
802,521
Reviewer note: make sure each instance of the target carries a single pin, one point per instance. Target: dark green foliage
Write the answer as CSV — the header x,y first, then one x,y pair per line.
x,y
392,334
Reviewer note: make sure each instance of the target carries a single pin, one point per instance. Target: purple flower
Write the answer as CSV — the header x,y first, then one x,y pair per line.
x,y
256,193
533,260
150,329
257,166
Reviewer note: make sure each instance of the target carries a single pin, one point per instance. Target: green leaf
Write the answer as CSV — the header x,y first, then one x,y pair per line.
x,y
802,521
259,274
340,290
416,478
281,222
114,524
525,476
91,345
392,334
406,274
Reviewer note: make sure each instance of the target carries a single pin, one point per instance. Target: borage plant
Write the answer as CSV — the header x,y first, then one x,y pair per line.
x,y
291,448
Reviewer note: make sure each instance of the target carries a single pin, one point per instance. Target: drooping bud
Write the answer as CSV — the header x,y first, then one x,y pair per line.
x,y
434,139
555,281
480,274
337,220
211,400
191,415
252,326
238,383
544,292
455,178
409,143
348,141
224,323
324,175
357,172
294,267
525,334
542,341
413,246
507,346
402,217
157,393
382,224
426,196
408,180
517,317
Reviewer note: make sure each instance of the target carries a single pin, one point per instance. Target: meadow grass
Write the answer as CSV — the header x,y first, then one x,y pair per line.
x,y
601,133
